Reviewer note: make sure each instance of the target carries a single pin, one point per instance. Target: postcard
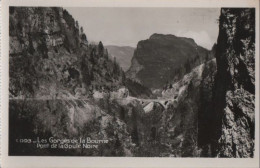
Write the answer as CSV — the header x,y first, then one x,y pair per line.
x,y
130,83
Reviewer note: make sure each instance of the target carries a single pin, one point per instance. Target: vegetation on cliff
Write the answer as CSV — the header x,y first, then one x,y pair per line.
x,y
63,87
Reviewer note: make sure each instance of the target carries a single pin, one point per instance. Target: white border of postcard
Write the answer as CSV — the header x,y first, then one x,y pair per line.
x,y
53,161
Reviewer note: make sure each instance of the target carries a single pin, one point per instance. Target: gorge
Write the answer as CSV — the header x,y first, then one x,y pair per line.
x,y
175,98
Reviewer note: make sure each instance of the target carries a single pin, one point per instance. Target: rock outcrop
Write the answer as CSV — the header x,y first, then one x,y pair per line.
x,y
234,93
184,113
167,58
50,57
54,73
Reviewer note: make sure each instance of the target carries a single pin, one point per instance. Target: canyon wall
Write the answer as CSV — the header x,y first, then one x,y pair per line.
x,y
234,92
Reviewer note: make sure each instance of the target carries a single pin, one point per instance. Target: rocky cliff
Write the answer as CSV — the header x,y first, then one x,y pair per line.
x,y
234,96
217,99
225,107
184,115
54,78
166,57
50,57
63,87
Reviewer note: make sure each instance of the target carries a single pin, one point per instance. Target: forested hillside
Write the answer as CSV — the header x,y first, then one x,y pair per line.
x,y
50,57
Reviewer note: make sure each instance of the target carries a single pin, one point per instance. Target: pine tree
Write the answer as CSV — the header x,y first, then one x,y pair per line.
x,y
106,54
77,24
83,37
81,30
115,67
100,49
92,55
85,70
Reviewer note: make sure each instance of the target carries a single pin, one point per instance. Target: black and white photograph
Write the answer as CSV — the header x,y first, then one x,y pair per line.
x,y
132,82
112,83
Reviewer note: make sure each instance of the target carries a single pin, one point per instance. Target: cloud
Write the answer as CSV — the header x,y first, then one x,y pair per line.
x,y
202,38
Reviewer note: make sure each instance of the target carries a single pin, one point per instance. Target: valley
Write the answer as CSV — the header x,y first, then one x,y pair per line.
x,y
168,97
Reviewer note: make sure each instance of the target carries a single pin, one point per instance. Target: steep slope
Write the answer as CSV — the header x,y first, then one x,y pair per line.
x,y
171,122
164,57
50,57
68,119
234,94
123,55
53,74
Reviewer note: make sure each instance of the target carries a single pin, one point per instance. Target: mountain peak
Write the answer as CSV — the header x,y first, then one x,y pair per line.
x,y
170,36
163,57
157,35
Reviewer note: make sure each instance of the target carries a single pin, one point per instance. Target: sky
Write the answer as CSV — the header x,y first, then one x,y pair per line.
x,y
123,26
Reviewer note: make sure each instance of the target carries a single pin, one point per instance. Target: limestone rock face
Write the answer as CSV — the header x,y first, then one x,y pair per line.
x,y
55,81
185,115
234,95
51,58
166,57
